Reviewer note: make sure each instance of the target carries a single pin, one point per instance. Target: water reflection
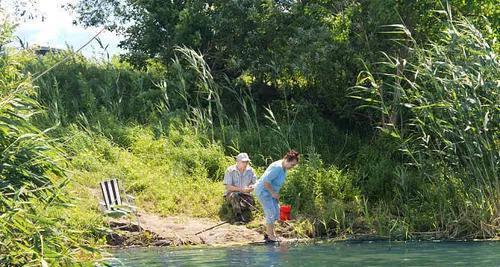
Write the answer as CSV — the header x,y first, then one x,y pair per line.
x,y
328,254
238,257
264,255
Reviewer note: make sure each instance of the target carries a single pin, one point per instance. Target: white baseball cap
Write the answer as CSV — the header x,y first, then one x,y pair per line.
x,y
242,157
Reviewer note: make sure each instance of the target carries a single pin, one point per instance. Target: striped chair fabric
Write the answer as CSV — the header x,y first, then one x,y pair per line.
x,y
111,193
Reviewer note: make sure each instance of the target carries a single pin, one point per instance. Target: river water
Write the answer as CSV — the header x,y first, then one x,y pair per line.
x,y
345,253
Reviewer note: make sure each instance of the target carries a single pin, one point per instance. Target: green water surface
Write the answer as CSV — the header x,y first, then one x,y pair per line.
x,y
320,254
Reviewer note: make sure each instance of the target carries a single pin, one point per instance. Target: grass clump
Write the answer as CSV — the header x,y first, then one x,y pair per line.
x,y
170,175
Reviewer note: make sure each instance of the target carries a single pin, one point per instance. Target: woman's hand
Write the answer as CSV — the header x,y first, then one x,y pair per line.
x,y
275,195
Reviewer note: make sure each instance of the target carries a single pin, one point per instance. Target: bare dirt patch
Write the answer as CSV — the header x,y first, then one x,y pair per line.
x,y
179,230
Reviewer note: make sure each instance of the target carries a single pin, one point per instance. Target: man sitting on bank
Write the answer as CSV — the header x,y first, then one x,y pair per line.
x,y
239,181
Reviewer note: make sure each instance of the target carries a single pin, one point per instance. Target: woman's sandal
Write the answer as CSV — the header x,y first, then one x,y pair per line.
x,y
268,240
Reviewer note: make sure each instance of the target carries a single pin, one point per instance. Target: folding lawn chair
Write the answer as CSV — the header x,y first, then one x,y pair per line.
x,y
113,204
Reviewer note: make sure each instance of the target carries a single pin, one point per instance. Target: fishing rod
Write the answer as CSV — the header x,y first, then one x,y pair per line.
x,y
210,228
249,204
224,222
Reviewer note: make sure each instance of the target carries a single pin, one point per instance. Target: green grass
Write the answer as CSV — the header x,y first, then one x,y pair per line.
x,y
174,174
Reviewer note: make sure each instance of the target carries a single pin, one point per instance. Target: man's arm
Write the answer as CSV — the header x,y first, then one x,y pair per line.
x,y
232,188
253,180
228,181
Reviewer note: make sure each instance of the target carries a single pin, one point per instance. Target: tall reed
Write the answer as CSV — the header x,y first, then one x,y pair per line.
x,y
446,114
32,178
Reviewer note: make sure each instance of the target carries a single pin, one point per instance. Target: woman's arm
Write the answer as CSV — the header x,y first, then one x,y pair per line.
x,y
270,174
269,188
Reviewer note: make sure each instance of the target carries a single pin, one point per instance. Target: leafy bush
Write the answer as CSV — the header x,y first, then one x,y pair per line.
x,y
323,194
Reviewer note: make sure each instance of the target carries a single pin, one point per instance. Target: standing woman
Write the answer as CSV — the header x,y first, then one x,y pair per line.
x,y
268,187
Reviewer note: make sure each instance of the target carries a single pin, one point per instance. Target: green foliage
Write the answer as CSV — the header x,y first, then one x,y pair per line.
x,y
203,80
175,174
33,230
376,166
80,86
301,49
440,105
323,194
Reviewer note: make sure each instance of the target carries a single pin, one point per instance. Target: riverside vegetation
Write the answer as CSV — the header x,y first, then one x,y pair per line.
x,y
399,130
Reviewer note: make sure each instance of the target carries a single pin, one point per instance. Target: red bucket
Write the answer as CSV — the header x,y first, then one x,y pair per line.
x,y
285,212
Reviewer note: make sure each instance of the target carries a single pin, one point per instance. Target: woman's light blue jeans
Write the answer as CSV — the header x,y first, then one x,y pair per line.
x,y
271,208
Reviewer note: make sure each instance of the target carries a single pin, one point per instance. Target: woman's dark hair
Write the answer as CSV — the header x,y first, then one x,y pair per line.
x,y
292,155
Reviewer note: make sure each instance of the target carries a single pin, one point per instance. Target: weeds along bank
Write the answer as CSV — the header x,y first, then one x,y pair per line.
x,y
169,133
41,222
170,175
440,105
